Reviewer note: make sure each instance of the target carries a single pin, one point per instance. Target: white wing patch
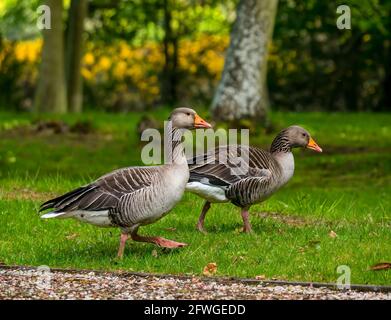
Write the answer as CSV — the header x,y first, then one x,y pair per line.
x,y
208,192
97,218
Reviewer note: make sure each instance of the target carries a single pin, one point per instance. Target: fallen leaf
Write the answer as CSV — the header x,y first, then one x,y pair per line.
x,y
154,253
71,236
210,269
332,234
260,277
172,229
381,266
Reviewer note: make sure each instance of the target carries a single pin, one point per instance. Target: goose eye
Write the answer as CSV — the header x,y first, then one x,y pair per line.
x,y
303,134
188,113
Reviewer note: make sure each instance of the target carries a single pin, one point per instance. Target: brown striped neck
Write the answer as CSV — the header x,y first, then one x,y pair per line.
x,y
173,148
281,144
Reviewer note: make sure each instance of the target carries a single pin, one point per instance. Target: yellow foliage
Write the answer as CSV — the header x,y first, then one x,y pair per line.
x,y
124,51
120,70
128,66
86,74
89,58
28,51
104,63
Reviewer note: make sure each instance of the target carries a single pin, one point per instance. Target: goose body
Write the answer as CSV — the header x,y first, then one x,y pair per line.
x,y
217,183
135,196
123,197
216,178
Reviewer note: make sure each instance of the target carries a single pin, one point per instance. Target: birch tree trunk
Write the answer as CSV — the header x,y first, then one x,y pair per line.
x,y
50,95
74,53
242,92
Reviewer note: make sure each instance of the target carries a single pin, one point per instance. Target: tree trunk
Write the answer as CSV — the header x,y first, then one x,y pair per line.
x,y
385,100
242,92
74,53
50,94
170,48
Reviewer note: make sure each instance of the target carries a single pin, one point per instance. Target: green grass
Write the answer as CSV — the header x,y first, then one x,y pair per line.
x,y
347,189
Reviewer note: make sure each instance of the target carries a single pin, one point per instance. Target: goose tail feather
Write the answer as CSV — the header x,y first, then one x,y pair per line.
x,y
61,202
54,214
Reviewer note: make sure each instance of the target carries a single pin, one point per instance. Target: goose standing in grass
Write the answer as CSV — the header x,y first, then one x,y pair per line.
x,y
215,180
132,197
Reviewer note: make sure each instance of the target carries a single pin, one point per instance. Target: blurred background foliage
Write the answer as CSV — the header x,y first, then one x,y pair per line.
x,y
312,64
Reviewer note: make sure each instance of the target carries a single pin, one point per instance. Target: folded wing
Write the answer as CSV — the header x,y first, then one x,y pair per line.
x,y
104,193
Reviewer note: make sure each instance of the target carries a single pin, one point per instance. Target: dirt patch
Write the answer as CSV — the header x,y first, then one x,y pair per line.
x,y
49,128
25,194
284,218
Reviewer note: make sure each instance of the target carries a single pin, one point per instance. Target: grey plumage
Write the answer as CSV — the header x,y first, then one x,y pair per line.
x,y
131,197
242,188
111,192
215,176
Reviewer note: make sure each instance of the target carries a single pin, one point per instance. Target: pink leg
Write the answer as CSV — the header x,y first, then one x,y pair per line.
x,y
246,220
201,219
122,242
159,241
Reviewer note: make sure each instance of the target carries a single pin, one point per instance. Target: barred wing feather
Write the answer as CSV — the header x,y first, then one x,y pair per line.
x,y
104,193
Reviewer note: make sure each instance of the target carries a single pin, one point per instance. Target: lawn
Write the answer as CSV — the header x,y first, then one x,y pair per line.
x,y
335,210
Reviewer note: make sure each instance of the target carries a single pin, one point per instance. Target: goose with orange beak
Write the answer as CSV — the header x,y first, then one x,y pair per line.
x,y
214,178
132,197
313,145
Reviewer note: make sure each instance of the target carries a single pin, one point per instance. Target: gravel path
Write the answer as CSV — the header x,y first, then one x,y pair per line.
x,y
29,283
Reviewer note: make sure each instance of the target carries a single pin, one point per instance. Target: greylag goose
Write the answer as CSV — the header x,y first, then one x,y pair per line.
x,y
215,180
135,196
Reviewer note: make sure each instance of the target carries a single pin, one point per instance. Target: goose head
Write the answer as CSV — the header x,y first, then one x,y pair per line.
x,y
188,119
294,137
299,137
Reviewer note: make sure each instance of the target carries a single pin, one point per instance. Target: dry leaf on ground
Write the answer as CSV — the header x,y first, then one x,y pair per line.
x,y
381,266
71,236
210,269
332,234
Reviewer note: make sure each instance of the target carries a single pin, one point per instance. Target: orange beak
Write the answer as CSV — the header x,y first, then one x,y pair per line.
x,y
201,123
312,145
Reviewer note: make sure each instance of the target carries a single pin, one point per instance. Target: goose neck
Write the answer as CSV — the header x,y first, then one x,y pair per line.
x,y
281,144
286,163
173,148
